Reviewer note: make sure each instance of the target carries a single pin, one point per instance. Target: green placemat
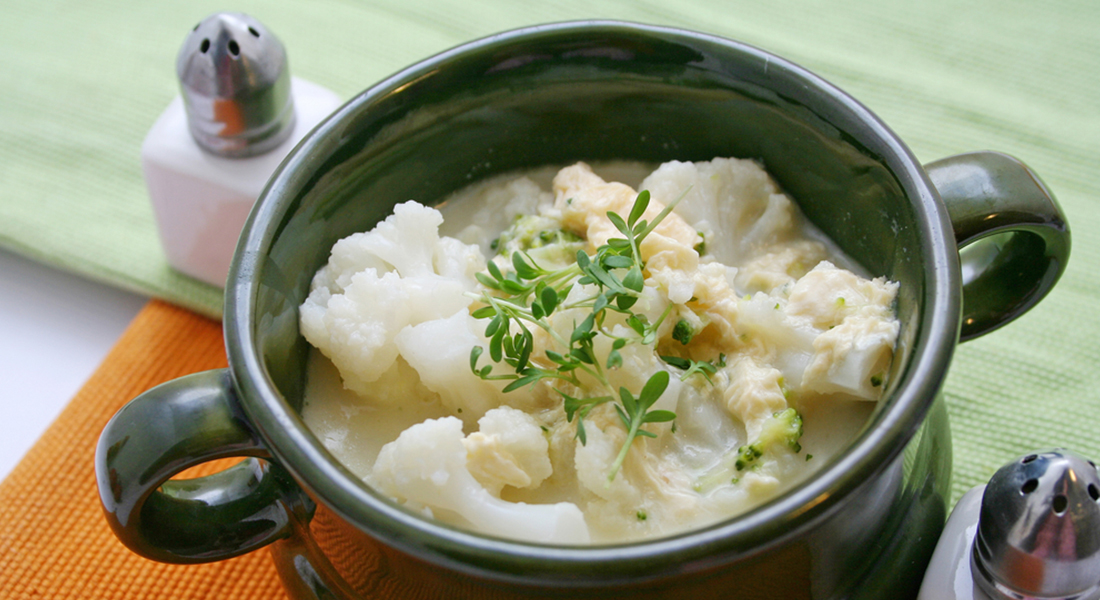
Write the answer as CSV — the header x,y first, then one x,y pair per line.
x,y
82,82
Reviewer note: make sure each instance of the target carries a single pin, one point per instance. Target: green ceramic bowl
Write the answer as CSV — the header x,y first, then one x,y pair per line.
x,y
551,95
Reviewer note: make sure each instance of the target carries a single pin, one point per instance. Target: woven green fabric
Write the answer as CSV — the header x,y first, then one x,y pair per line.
x,y
82,82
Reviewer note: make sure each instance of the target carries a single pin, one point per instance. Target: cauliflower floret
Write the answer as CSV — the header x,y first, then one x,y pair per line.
x,y
355,328
593,460
439,350
780,267
426,465
852,357
828,294
376,283
508,449
406,240
754,394
730,195
584,200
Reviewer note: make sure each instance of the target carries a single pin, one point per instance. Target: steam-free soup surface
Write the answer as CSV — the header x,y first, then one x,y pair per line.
x,y
685,365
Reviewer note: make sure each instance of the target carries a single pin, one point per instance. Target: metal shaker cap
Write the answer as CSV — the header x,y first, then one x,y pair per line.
x,y
236,86
1038,531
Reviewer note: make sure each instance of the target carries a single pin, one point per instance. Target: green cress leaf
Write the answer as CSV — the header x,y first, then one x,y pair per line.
x,y
625,302
638,323
475,354
659,416
549,299
618,244
496,345
493,325
692,367
653,389
599,304
527,342
494,271
484,312
601,276
640,204
634,280
512,287
524,269
522,381
617,261
584,329
614,360
619,224
487,281
580,407
582,260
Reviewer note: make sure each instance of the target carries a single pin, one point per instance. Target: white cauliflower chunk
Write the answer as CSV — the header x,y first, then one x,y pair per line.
x,y
754,394
584,200
439,350
508,449
828,294
852,358
376,283
427,465
732,201
779,267
852,355
593,461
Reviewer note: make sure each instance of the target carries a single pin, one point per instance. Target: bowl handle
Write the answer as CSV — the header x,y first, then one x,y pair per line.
x,y
1013,237
168,429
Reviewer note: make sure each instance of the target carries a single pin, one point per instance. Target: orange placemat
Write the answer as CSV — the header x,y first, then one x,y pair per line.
x,y
54,541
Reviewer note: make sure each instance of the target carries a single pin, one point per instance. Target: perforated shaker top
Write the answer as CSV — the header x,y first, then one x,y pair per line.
x,y
1039,529
235,84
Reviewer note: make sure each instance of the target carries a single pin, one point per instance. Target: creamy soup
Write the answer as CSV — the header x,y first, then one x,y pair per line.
x,y
590,356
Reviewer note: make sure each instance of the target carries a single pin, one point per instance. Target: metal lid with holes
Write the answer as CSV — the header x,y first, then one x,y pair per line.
x,y
235,85
1039,529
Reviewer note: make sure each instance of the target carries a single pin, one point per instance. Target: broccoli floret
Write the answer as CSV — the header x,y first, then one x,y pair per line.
x,y
533,231
540,237
683,332
784,428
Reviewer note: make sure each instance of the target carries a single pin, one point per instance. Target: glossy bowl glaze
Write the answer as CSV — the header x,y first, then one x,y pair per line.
x,y
864,527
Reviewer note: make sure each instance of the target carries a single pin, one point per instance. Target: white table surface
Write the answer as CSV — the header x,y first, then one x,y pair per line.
x,y
55,329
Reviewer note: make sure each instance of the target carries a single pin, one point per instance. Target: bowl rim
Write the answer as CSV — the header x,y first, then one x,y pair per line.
x,y
744,536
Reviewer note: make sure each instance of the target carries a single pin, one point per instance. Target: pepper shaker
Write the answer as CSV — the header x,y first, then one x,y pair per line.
x,y
208,157
1032,533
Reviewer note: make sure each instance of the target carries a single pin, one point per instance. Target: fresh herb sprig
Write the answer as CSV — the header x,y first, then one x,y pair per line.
x,y
696,367
524,297
634,412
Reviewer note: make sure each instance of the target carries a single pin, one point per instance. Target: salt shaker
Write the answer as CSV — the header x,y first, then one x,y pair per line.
x,y
210,154
1032,533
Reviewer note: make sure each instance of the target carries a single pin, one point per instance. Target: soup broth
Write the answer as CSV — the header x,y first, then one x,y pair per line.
x,y
687,365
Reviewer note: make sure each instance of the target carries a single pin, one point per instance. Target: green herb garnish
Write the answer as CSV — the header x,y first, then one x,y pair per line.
x,y
525,296
693,367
